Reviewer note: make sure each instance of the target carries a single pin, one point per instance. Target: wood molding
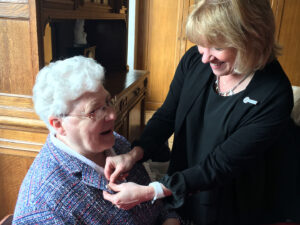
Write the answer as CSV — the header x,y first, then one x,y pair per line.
x,y
36,39
12,172
153,105
85,12
13,147
141,35
288,37
13,100
8,122
16,113
277,7
183,10
14,1
14,10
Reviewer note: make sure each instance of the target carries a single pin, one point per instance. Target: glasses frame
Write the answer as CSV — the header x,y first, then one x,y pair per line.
x,y
94,116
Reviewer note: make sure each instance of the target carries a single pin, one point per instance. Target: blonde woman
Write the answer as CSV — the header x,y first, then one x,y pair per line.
x,y
229,106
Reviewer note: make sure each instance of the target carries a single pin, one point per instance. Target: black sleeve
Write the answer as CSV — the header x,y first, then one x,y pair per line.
x,y
161,126
241,151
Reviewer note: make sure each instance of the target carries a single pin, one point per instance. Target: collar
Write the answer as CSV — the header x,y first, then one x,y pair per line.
x,y
78,165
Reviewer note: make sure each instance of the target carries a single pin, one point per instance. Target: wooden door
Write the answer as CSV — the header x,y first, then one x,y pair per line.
x,y
287,16
159,44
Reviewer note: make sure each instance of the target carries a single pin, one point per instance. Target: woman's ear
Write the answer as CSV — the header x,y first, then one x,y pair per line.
x,y
56,123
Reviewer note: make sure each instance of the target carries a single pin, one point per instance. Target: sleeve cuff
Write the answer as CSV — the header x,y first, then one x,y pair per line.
x,y
176,183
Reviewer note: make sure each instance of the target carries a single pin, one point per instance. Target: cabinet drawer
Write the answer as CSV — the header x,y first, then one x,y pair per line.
x,y
127,100
59,4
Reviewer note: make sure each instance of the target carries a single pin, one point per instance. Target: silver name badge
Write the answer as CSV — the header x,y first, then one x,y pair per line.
x,y
249,100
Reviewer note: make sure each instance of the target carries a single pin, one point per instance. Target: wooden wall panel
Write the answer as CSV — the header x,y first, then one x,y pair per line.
x,y
289,38
161,42
22,135
141,35
163,34
12,172
277,7
15,57
14,10
183,44
14,1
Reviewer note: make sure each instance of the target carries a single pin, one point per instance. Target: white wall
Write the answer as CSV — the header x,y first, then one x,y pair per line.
x,y
131,32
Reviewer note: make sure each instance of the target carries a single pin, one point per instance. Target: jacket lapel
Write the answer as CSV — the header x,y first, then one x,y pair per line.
x,y
193,86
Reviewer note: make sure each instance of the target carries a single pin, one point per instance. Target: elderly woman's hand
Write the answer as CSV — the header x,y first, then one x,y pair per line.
x,y
116,167
171,221
128,194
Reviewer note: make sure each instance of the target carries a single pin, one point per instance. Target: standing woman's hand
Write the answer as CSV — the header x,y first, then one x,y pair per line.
x,y
117,167
171,221
128,194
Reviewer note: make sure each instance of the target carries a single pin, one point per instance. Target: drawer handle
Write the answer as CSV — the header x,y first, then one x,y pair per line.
x,y
123,103
137,91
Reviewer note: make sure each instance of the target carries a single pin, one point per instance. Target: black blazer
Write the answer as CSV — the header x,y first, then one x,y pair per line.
x,y
237,183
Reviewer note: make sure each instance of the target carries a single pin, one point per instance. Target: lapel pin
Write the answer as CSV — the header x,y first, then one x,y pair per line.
x,y
249,100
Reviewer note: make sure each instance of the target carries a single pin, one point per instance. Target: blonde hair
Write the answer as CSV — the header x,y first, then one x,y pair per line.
x,y
246,25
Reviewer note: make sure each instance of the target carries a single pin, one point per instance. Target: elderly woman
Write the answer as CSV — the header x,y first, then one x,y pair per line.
x,y
228,106
64,184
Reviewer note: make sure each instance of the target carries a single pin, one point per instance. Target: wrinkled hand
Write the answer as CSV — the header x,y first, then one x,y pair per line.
x,y
128,194
116,167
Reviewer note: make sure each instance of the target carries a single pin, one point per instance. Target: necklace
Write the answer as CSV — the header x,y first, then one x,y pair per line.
x,y
231,91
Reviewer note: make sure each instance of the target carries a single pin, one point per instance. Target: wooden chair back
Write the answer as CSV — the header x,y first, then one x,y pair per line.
x,y
7,220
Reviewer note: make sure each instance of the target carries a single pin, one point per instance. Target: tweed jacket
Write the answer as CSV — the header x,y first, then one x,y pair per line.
x,y
61,189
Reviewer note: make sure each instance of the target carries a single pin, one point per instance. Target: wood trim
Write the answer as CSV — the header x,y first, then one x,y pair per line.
x,y
59,4
183,7
37,54
153,105
83,13
7,219
12,172
14,1
289,36
13,147
14,10
277,7
16,113
8,122
12,100
142,35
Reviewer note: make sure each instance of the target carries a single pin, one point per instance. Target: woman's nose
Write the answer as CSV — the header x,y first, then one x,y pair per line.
x,y
206,56
111,114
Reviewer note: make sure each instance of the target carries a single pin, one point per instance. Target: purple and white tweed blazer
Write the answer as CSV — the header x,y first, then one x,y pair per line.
x,y
61,189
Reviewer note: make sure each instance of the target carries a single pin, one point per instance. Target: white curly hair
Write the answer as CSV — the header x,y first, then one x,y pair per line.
x,y
63,81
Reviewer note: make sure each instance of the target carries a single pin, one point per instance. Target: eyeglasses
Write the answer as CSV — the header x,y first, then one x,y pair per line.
x,y
99,113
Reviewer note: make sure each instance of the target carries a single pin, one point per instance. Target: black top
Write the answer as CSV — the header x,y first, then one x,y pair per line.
x,y
225,165
213,121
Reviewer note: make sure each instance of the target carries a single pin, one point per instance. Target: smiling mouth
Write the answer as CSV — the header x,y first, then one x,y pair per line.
x,y
216,64
106,132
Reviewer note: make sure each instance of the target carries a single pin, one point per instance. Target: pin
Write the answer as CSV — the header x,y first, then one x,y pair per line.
x,y
249,100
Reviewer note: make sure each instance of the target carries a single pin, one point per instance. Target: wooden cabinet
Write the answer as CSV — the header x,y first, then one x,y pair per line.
x,y
287,16
160,43
22,134
59,4
130,105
